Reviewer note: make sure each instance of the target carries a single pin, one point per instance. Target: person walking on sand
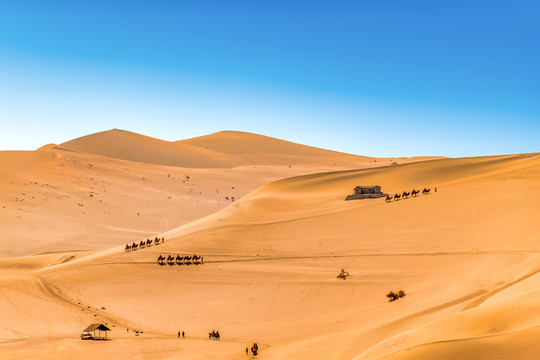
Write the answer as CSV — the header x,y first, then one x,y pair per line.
x,y
179,334
183,335
247,350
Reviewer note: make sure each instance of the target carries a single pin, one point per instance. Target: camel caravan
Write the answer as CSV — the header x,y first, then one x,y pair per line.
x,y
143,244
405,195
180,260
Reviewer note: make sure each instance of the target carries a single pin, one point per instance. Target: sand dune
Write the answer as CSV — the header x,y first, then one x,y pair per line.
x,y
107,188
225,149
467,257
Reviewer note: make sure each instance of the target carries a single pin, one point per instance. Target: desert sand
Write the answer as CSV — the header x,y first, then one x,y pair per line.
x,y
466,255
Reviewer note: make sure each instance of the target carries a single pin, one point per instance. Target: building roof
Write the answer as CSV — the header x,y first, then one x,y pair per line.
x,y
95,327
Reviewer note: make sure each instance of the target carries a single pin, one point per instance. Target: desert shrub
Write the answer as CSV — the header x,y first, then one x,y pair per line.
x,y
393,296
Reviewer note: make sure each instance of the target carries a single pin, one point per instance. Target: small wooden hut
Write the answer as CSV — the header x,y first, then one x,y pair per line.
x,y
99,328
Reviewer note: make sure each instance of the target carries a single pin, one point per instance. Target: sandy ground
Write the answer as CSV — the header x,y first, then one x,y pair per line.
x,y
467,257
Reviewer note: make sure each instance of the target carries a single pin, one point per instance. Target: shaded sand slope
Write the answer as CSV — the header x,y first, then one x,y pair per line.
x,y
464,255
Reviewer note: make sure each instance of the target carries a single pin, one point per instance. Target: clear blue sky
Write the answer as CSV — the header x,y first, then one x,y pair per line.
x,y
380,78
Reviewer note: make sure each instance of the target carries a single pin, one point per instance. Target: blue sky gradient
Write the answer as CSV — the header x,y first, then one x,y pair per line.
x,y
458,78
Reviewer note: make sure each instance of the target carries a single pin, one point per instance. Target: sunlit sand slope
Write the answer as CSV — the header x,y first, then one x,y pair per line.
x,y
467,257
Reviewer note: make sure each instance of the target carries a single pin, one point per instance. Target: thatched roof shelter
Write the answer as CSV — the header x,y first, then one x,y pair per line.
x,y
99,328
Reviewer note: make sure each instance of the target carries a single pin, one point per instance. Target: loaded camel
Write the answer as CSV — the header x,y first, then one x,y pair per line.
x,y
179,259
160,259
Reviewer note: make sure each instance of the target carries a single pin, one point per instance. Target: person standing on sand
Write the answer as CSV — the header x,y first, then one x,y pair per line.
x,y
179,334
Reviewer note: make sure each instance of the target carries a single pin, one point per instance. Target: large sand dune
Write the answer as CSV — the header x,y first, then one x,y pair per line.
x,y
107,188
467,256
220,150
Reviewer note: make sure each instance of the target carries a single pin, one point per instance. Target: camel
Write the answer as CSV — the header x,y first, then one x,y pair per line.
x,y
396,197
388,198
425,191
213,335
343,274
187,258
255,349
161,259
178,259
128,247
148,242
405,194
142,243
156,241
134,246
415,192
170,259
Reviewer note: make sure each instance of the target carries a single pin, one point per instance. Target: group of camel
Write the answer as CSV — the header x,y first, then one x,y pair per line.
x,y
143,243
405,195
180,260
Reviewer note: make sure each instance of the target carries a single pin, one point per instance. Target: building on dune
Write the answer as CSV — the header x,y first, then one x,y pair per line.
x,y
366,192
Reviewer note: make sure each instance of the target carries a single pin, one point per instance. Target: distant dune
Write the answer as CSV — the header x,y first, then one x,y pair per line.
x,y
466,254
224,149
